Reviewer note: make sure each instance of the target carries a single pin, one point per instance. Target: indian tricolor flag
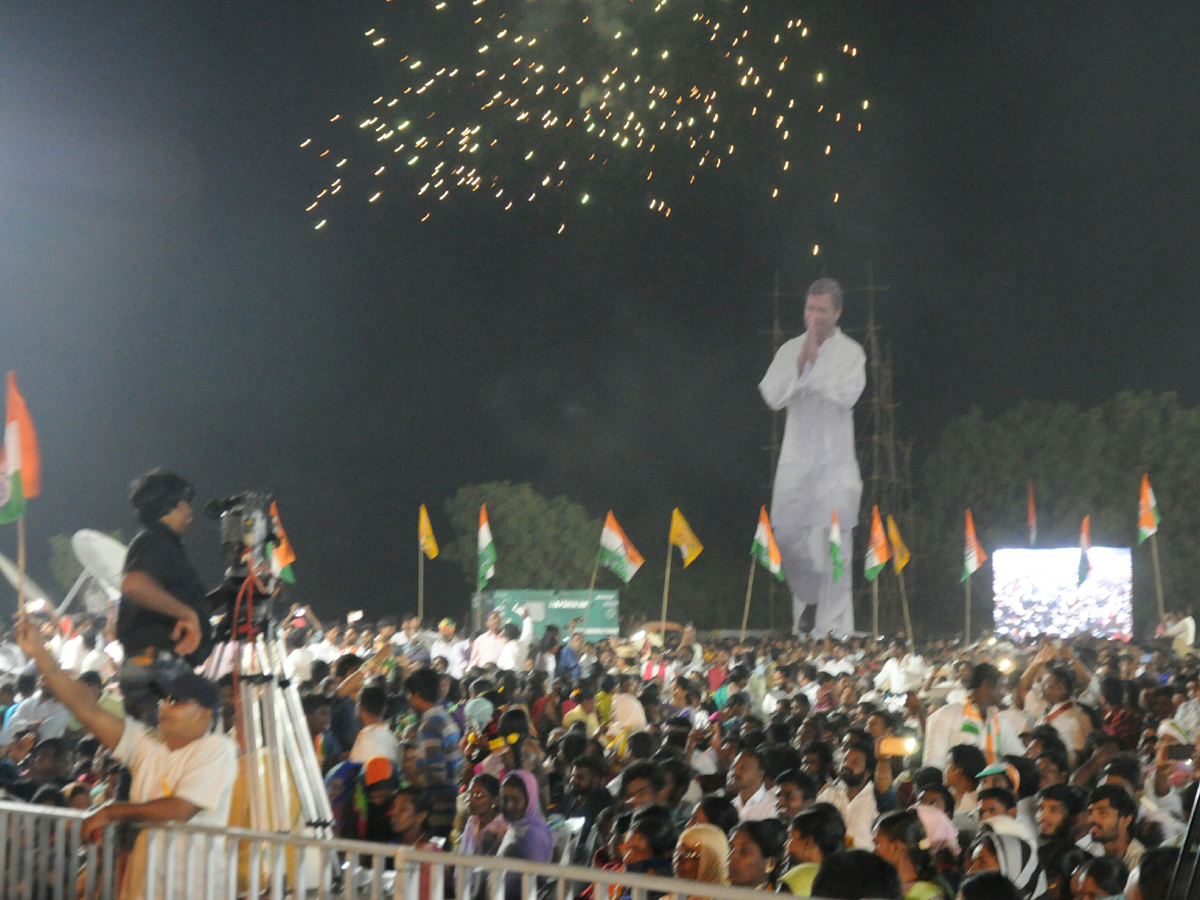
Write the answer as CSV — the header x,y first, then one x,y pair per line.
x,y
487,549
1148,517
1085,544
973,555
617,552
20,464
282,555
835,548
764,548
878,551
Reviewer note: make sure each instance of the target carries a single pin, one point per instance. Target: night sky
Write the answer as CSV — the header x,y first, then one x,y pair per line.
x,y
1026,184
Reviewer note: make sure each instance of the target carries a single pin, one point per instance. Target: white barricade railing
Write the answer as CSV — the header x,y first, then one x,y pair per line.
x,y
42,857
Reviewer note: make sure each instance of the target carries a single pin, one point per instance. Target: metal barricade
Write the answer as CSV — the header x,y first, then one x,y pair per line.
x,y
42,856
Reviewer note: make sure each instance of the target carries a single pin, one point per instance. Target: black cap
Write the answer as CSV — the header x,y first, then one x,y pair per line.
x,y
187,685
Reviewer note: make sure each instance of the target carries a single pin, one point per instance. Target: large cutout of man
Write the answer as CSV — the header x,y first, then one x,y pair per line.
x,y
817,378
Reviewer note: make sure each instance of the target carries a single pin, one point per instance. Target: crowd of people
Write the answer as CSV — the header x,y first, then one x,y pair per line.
x,y
846,768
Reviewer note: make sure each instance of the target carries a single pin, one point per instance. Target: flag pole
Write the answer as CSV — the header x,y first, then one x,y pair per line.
x,y
666,582
592,584
21,568
1157,575
875,607
749,591
967,632
420,581
478,604
904,604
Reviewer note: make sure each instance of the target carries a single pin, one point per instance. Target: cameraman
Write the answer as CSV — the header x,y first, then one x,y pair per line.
x,y
162,621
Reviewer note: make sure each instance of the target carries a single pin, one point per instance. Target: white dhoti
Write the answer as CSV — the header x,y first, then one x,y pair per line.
x,y
809,571
817,473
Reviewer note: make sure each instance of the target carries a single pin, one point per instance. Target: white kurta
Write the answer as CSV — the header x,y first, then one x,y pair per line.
x,y
818,471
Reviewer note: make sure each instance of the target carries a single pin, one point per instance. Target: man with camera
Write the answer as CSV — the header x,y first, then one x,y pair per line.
x,y
162,621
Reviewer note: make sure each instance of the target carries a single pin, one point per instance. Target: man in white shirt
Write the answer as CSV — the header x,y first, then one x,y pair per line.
x,y
515,651
979,721
42,709
375,739
485,650
328,649
299,661
184,772
817,378
1048,702
747,782
853,794
902,672
71,653
450,647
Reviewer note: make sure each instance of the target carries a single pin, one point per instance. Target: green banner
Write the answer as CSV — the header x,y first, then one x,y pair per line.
x,y
559,608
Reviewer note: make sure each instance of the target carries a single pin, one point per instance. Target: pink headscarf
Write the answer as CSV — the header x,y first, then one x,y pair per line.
x,y
939,830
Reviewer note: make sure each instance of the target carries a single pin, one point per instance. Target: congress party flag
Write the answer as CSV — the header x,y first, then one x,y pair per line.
x,y
282,555
1148,517
1031,517
835,547
764,548
617,552
878,552
973,555
684,538
1085,544
487,549
900,554
425,538
20,463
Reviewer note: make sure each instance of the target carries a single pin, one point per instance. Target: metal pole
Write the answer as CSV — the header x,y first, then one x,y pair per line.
x,y
967,632
420,582
904,604
591,586
875,606
21,567
1157,575
749,590
666,583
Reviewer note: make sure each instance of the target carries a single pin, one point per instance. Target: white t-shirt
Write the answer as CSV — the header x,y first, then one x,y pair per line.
x,y
375,741
71,654
203,773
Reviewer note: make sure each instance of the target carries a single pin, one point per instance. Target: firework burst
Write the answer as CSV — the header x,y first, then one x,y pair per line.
x,y
562,104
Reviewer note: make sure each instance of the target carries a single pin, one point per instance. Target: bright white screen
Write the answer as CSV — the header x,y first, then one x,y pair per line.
x,y
1037,592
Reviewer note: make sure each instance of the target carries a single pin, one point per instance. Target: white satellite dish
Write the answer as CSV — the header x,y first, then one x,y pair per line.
x,y
102,557
103,561
35,597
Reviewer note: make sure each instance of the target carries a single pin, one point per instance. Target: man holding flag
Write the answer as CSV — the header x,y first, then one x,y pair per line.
x,y
817,378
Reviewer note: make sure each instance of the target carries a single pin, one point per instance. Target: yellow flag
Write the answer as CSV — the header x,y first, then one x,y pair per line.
x,y
425,534
900,552
684,538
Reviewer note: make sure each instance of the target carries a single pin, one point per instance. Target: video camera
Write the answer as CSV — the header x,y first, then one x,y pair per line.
x,y
249,532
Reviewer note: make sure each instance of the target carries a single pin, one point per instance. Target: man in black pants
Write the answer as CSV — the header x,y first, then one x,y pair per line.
x,y
162,622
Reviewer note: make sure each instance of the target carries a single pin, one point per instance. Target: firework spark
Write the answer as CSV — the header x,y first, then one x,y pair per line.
x,y
564,104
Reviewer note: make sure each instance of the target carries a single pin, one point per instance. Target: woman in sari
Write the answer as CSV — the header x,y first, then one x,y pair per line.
x,y
528,836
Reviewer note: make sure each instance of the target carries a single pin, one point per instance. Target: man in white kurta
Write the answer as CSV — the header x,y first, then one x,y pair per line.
x,y
817,378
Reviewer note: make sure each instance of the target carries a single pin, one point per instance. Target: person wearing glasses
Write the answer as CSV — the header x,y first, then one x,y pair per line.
x,y
181,772
162,618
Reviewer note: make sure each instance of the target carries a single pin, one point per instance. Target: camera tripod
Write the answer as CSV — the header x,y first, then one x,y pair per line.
x,y
281,761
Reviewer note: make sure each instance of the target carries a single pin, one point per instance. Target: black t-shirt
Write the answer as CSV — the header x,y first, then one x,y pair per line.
x,y
157,551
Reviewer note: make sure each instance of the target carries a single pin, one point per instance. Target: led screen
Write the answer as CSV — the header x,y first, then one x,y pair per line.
x,y
1038,592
